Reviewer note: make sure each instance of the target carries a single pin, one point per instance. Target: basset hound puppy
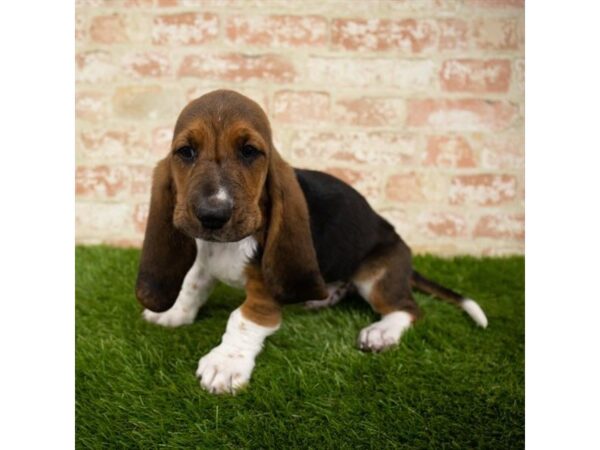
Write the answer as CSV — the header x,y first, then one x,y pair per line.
x,y
225,206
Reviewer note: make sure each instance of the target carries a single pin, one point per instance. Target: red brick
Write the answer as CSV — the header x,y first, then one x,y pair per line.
x,y
238,67
482,189
277,31
95,66
146,64
499,33
373,148
101,181
301,106
370,111
441,224
501,226
185,28
114,145
472,75
461,115
405,187
91,105
110,29
364,181
412,36
453,34
448,151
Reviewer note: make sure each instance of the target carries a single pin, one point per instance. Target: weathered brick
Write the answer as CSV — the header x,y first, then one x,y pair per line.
x,y
405,187
501,226
471,75
340,71
365,181
109,29
114,145
501,151
185,28
301,106
461,115
281,31
499,33
442,224
100,182
369,111
103,220
374,148
91,105
139,216
412,36
140,180
238,67
496,3
146,103
161,141
453,34
95,66
146,64
81,31
482,189
519,76
448,151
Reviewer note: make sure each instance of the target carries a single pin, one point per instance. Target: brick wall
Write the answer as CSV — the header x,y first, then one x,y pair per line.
x,y
418,104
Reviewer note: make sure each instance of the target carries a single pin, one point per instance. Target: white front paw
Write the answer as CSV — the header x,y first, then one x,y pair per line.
x,y
225,369
174,317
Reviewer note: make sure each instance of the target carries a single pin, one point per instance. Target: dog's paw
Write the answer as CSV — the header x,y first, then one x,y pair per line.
x,y
225,369
174,317
385,333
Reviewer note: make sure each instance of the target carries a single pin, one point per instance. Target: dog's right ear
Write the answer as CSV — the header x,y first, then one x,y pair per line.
x,y
167,254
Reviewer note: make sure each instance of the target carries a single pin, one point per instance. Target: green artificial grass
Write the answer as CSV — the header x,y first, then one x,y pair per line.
x,y
448,385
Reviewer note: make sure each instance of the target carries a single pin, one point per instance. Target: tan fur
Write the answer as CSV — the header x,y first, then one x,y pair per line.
x,y
260,307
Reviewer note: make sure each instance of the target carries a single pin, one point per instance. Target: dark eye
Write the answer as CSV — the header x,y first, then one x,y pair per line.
x,y
249,152
186,153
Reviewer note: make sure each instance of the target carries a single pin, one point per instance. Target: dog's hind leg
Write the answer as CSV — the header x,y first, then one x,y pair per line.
x,y
383,279
195,289
337,291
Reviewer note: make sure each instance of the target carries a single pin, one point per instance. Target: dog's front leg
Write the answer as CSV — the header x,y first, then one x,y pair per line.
x,y
194,292
228,367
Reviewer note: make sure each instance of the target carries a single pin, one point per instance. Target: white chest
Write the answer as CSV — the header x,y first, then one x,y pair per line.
x,y
226,261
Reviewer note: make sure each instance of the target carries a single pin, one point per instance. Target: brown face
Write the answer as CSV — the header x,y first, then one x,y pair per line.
x,y
219,161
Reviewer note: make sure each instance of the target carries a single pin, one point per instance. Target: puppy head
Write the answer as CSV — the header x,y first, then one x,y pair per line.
x,y
219,161
223,180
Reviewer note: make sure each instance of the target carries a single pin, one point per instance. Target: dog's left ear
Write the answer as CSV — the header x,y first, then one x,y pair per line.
x,y
289,262
167,254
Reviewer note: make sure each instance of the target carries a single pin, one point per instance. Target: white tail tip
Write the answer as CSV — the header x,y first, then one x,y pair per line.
x,y
474,310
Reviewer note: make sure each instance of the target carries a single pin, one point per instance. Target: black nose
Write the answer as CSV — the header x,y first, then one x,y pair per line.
x,y
214,214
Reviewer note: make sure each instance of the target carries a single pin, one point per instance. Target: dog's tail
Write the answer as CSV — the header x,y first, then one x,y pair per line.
x,y
470,306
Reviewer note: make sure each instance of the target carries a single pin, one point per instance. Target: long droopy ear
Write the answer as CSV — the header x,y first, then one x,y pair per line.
x,y
289,262
167,253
